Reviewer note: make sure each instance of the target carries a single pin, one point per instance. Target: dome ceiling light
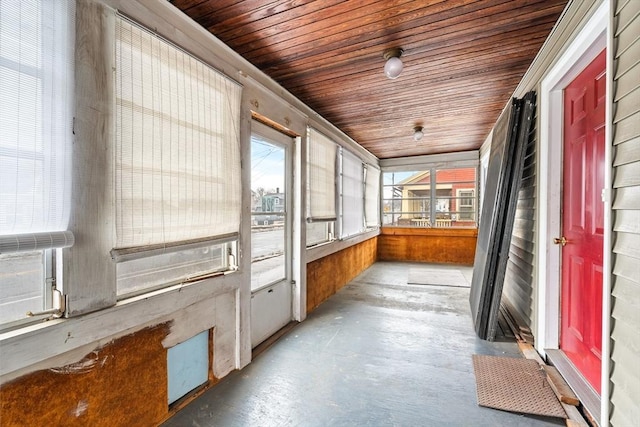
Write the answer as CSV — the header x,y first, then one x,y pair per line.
x,y
418,133
393,66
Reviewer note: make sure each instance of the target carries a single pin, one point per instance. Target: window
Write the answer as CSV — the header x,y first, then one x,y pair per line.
x,y
36,117
452,209
177,165
372,196
351,195
466,204
430,198
321,188
484,168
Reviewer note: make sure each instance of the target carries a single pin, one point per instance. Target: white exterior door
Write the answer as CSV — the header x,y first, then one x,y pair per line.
x,y
271,207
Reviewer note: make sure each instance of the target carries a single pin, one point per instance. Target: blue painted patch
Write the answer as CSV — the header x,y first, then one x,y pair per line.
x,y
188,365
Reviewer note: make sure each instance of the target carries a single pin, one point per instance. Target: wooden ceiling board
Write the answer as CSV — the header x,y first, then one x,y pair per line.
x,y
462,61
356,37
467,53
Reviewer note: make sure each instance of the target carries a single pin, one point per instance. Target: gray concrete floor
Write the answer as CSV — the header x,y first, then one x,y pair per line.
x,y
378,353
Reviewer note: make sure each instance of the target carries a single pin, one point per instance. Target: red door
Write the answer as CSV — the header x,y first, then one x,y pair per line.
x,y
583,220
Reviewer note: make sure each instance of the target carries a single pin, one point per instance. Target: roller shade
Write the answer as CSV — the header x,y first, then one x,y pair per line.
x,y
321,177
372,196
352,195
177,154
36,118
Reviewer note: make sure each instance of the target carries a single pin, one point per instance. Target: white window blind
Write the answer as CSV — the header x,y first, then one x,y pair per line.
x,y
372,196
177,151
352,195
321,177
36,118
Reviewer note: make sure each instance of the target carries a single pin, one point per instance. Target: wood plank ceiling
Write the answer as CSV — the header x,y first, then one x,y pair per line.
x,y
462,61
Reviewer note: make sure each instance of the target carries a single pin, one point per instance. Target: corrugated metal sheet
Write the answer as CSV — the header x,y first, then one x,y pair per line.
x,y
625,379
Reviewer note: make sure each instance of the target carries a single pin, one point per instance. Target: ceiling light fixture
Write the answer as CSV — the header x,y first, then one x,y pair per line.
x,y
417,133
393,66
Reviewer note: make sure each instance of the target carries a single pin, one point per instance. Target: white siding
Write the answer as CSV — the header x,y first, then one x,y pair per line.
x,y
625,312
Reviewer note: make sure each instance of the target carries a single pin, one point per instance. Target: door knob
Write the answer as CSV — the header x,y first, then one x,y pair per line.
x,y
560,241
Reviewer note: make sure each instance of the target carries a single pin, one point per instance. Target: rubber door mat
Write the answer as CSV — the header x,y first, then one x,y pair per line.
x,y
426,276
515,385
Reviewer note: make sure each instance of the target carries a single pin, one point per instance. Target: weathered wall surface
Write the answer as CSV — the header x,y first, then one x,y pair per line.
x,y
123,383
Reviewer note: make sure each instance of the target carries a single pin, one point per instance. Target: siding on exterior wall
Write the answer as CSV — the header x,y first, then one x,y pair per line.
x,y
625,311
518,288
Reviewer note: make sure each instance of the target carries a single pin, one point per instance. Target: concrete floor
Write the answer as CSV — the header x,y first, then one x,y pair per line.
x,y
378,353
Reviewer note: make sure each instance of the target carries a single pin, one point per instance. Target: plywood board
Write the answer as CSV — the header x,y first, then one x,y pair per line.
x,y
123,383
328,275
433,245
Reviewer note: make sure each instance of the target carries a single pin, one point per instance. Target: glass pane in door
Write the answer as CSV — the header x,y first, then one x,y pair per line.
x,y
268,213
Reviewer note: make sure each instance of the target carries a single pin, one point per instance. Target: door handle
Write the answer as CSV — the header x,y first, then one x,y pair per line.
x,y
560,241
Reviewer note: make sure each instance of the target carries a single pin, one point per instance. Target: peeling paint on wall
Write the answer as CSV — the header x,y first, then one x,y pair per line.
x,y
88,363
123,383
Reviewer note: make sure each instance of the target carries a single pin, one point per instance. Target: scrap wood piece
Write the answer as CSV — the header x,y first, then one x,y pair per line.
x,y
574,417
522,333
560,386
530,353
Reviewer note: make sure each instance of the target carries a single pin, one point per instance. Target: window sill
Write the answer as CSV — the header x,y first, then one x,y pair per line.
x,y
429,231
37,345
329,248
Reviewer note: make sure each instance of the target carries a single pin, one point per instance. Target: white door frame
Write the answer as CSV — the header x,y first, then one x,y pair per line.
x,y
591,40
281,288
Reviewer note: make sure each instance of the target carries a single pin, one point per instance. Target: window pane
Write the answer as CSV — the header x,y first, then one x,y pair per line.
x,y
456,189
409,199
352,195
159,270
268,234
319,232
22,285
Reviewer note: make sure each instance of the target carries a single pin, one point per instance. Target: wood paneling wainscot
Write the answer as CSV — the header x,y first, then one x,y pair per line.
x,y
438,245
328,275
123,383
